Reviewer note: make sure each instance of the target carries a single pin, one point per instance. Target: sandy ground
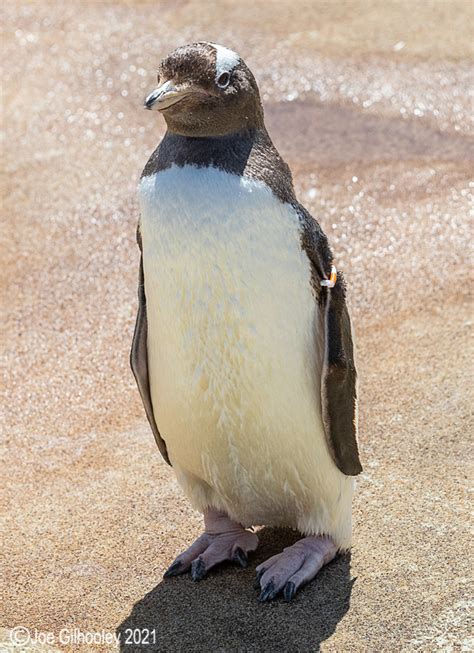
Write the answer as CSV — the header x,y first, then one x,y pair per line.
x,y
369,103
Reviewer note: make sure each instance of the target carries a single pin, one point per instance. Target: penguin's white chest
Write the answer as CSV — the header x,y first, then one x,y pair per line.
x,y
234,345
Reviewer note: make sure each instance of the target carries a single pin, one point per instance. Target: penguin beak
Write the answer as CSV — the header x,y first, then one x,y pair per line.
x,y
165,96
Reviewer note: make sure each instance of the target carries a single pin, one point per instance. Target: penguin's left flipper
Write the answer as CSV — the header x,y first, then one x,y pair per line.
x,y
139,359
339,381
339,374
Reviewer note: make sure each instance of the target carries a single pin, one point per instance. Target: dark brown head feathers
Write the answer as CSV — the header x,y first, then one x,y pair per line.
x,y
222,96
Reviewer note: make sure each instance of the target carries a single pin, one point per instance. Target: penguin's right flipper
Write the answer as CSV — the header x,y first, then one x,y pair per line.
x,y
139,361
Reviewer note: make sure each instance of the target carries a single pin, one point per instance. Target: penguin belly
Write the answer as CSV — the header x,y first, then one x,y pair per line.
x,y
235,350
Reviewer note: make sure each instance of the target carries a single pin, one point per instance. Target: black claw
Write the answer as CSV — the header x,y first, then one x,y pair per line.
x,y
257,580
173,570
289,591
198,569
268,593
241,557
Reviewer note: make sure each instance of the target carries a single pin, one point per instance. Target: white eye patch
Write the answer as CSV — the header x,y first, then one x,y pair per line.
x,y
226,59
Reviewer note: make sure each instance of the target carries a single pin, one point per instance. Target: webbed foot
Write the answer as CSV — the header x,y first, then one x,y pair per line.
x,y
295,566
222,540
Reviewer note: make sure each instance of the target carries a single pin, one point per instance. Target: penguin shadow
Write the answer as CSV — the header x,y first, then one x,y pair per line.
x,y
222,613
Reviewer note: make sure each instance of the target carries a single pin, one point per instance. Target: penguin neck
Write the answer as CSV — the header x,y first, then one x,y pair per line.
x,y
248,152
200,123
229,152
242,138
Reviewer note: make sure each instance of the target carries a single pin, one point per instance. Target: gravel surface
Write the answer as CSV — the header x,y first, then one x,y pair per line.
x,y
369,103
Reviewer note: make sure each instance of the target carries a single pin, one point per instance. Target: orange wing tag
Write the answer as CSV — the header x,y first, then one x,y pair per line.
x,y
331,282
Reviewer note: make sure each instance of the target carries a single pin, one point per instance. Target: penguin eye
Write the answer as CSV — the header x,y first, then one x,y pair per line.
x,y
223,80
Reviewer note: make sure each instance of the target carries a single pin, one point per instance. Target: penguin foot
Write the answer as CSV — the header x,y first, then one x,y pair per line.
x,y
295,566
223,539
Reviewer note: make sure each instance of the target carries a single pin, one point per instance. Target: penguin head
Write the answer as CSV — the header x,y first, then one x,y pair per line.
x,y
206,89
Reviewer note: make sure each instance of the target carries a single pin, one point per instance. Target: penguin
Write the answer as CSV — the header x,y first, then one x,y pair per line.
x,y
243,350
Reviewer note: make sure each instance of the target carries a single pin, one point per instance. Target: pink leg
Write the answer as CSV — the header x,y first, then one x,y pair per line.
x,y
223,539
295,566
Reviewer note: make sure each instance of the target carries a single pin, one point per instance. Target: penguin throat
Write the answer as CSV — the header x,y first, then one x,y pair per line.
x,y
211,122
